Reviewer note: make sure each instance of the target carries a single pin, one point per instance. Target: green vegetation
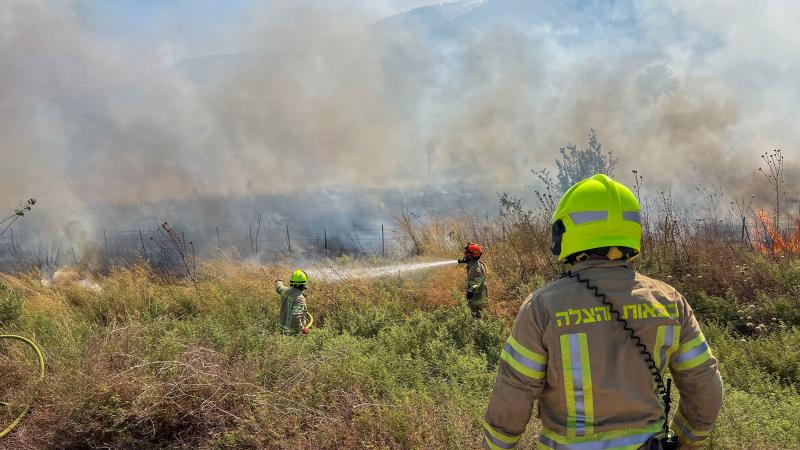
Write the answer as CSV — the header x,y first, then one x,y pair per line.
x,y
146,362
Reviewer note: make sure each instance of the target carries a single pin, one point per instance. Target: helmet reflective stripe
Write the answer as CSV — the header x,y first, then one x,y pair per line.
x,y
633,216
594,216
588,216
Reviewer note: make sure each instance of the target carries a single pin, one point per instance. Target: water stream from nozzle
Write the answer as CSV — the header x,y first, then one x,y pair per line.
x,y
332,274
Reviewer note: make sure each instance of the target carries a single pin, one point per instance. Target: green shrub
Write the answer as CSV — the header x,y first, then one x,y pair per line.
x,y
10,307
150,363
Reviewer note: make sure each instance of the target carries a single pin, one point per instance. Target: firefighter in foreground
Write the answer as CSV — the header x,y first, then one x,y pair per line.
x,y
293,313
569,351
477,294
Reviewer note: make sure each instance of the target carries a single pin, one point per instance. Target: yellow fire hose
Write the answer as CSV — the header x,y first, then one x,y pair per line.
x,y
310,320
40,358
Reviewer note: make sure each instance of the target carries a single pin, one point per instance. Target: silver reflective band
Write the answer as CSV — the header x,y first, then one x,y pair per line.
x,y
597,445
497,442
522,359
684,428
633,216
669,334
577,384
693,353
588,216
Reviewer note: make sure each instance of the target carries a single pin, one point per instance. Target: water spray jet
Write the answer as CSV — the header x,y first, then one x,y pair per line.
x,y
332,274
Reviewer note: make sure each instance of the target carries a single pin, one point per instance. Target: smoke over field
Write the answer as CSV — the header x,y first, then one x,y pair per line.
x,y
184,155
106,106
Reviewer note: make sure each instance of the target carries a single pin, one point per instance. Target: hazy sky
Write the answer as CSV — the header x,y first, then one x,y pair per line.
x,y
187,28
109,102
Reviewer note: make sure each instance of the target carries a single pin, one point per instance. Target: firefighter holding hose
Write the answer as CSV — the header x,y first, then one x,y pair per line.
x,y
293,314
593,348
477,293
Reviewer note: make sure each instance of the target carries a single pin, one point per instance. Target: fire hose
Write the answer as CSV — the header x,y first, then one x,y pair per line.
x,y
310,320
40,358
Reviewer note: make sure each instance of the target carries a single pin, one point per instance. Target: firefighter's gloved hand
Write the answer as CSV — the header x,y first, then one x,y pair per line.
x,y
470,294
462,261
305,330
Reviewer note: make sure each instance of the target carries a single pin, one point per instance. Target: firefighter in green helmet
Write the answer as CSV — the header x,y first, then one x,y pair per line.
x,y
572,348
293,313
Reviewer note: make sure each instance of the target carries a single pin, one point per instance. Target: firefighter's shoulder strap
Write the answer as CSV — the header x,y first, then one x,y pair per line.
x,y
663,389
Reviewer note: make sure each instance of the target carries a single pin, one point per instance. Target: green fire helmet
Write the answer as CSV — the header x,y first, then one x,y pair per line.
x,y
299,278
594,213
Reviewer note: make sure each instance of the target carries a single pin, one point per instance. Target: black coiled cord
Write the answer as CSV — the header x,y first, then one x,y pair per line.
x,y
662,389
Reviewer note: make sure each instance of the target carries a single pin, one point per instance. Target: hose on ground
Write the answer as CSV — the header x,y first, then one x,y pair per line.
x,y
40,359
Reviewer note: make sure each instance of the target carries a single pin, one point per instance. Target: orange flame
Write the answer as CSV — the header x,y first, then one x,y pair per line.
x,y
769,239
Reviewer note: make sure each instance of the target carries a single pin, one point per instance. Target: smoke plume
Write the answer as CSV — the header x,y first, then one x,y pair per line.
x,y
311,97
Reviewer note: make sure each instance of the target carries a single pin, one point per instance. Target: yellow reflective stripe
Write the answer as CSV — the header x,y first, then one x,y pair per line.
x,y
523,360
685,431
657,347
667,341
603,439
691,354
588,399
530,373
525,352
686,346
676,342
491,446
694,362
577,384
566,363
502,437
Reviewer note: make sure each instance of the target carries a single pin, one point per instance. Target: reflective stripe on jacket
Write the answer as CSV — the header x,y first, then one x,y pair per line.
x,y
594,390
476,281
292,316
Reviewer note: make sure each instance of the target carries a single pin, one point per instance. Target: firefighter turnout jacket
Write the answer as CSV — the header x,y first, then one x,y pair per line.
x,y
594,390
476,282
293,309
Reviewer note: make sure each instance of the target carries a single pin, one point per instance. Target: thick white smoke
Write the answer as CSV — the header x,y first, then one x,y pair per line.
x,y
331,95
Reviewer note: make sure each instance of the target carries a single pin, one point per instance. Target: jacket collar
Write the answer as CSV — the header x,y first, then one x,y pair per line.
x,y
599,264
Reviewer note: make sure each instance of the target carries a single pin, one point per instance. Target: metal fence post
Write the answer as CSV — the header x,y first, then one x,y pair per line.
x,y
288,239
105,239
144,249
219,243
252,249
325,240
383,243
744,225
13,245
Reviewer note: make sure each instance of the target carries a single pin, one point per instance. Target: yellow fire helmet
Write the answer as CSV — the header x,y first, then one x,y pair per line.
x,y
597,212
299,278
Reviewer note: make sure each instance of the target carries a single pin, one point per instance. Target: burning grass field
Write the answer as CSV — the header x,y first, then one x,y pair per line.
x,y
147,361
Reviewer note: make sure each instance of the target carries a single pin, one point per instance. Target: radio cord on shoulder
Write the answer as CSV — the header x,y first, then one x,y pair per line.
x,y
663,390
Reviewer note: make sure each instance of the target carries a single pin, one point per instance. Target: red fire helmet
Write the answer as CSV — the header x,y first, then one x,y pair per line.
x,y
473,249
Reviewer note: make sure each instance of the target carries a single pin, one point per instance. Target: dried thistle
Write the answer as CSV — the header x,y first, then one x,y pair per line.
x,y
19,212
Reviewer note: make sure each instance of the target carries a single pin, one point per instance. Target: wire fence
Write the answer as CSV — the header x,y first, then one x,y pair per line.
x,y
31,246
252,241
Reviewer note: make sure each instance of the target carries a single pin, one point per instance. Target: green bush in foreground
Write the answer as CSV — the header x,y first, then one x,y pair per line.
x,y
147,364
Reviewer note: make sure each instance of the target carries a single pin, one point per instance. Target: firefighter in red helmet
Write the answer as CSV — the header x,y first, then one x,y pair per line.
x,y
477,294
